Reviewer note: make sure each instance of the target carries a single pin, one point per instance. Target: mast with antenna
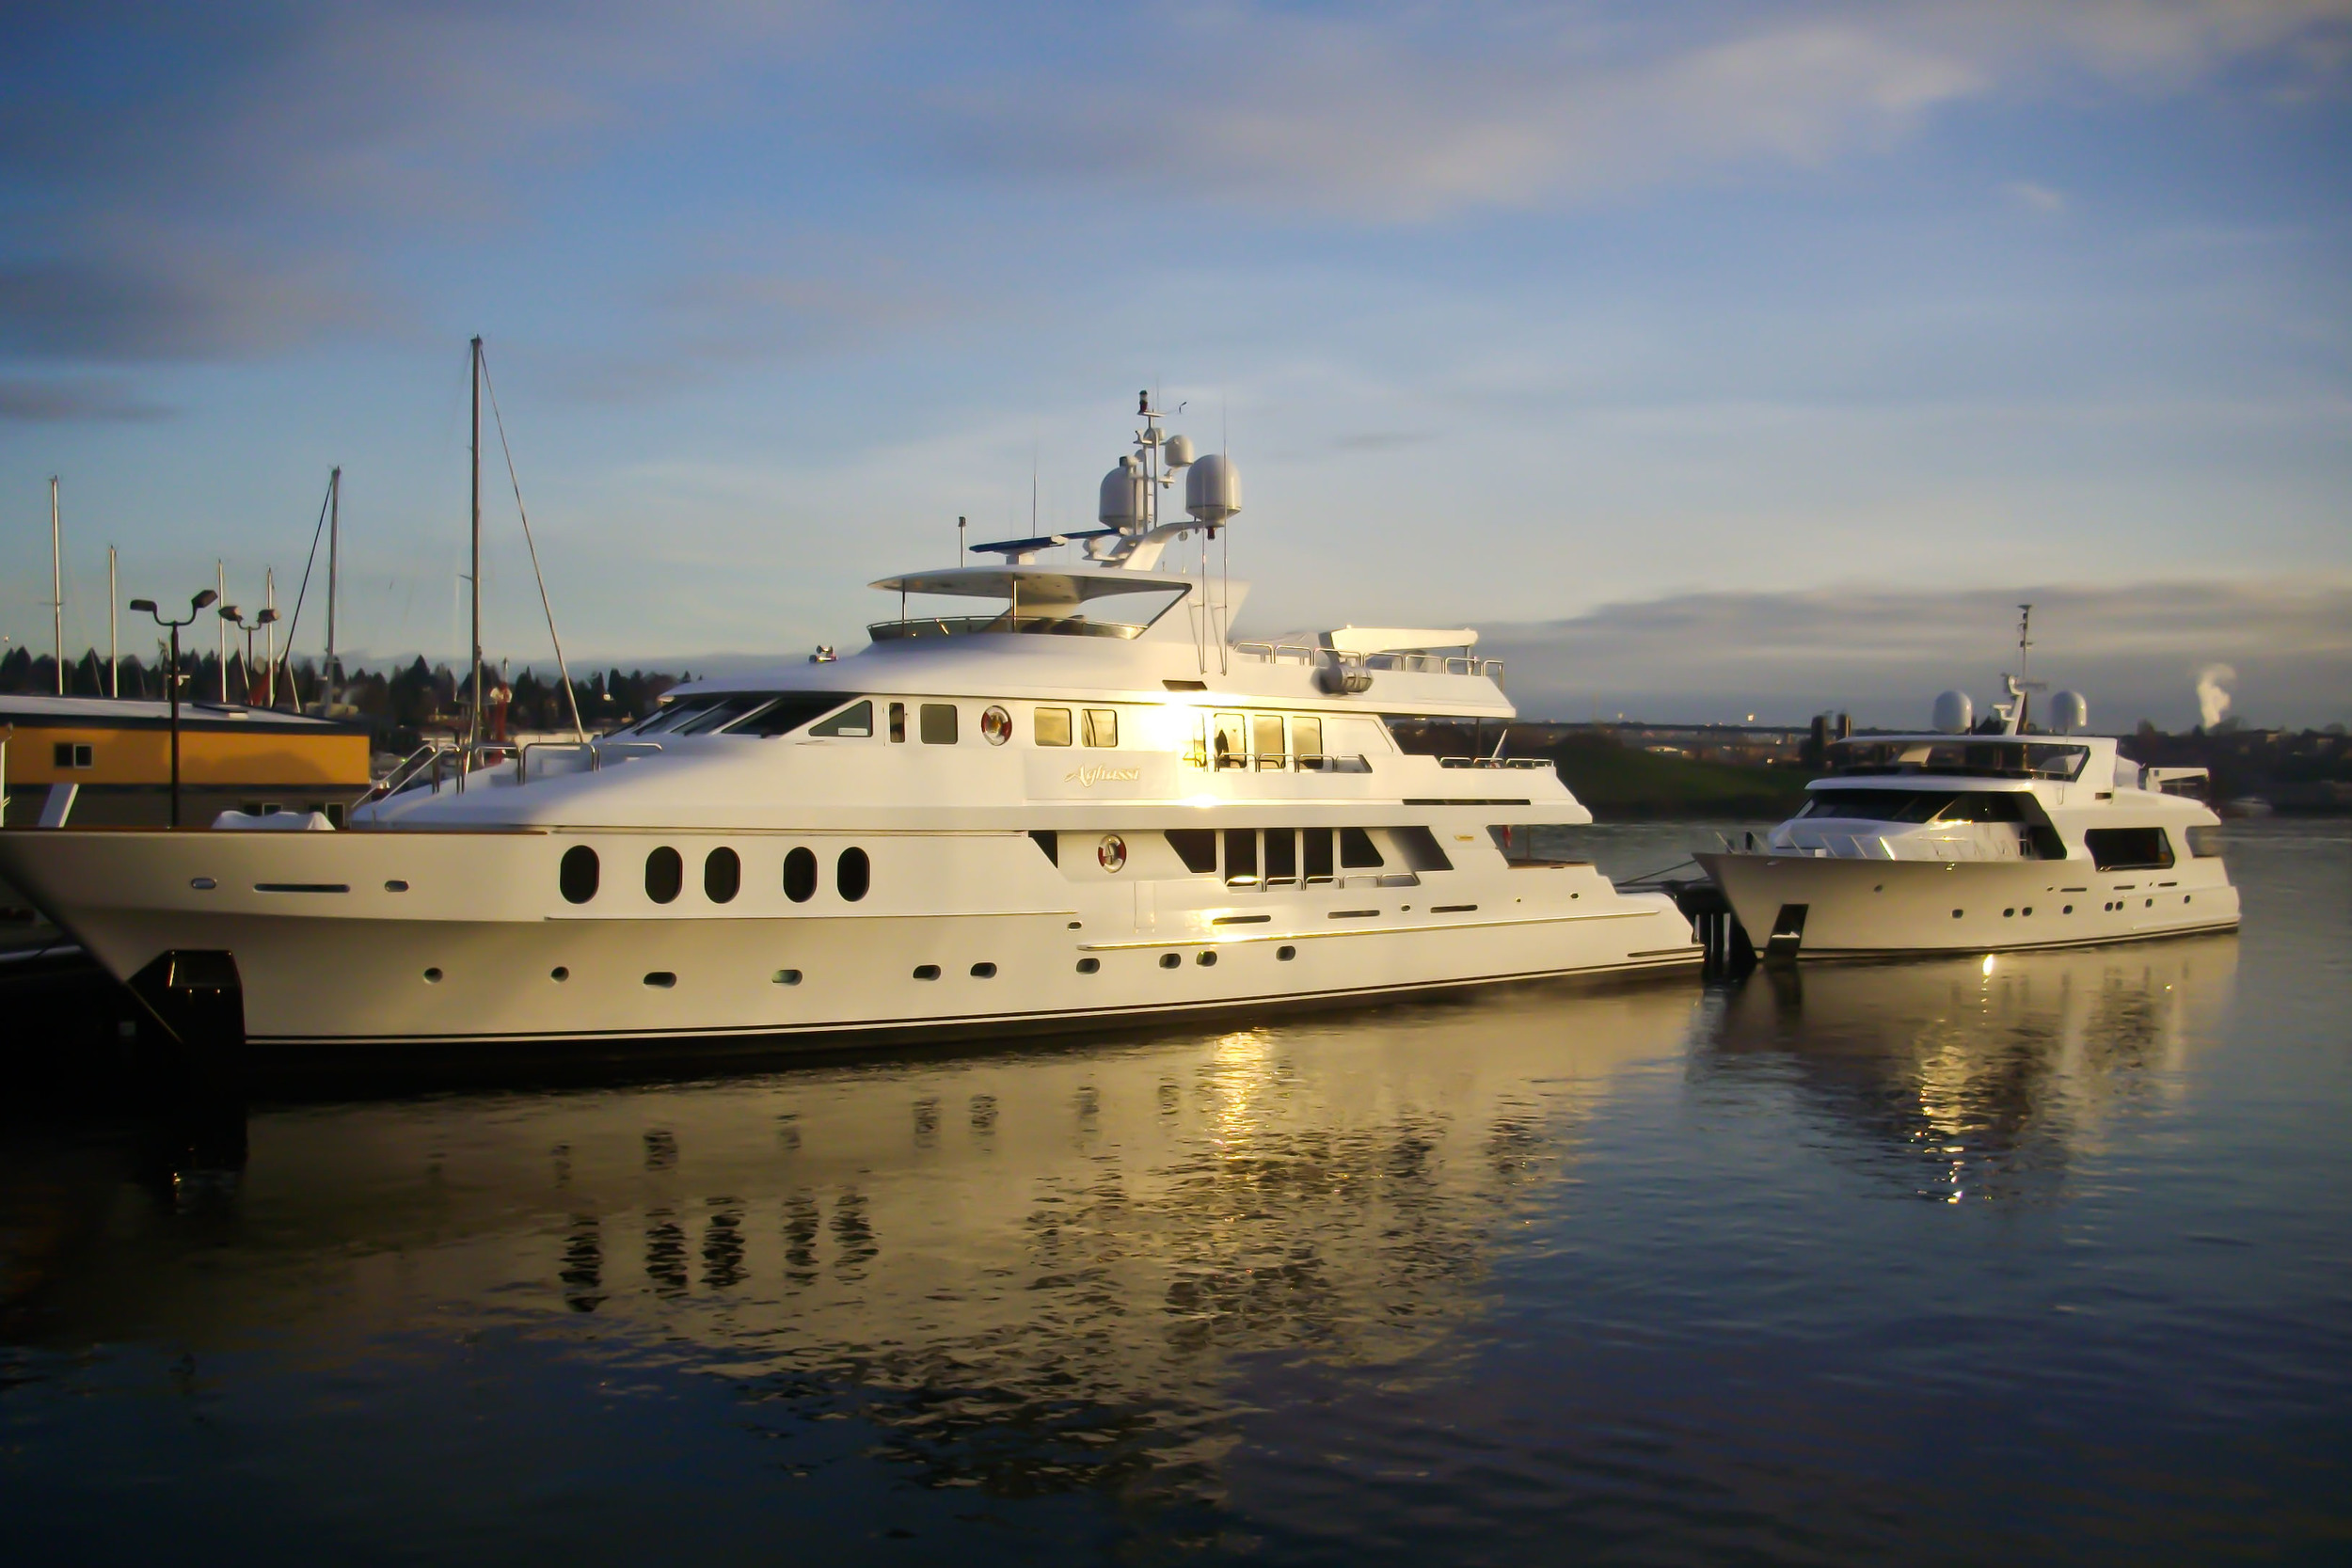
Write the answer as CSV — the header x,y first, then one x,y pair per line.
x,y
220,622
114,644
57,587
473,708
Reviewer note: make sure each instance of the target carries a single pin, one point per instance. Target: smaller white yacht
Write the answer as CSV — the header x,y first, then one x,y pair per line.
x,y
1983,838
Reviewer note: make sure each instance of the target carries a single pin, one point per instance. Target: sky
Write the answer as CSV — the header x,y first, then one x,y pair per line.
x,y
1711,359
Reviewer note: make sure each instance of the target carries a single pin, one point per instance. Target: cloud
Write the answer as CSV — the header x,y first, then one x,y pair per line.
x,y
2040,199
191,185
207,183
2138,651
58,400
1404,113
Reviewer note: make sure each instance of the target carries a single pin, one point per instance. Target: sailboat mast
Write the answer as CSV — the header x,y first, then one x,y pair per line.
x,y
57,588
473,708
220,624
113,641
334,535
269,603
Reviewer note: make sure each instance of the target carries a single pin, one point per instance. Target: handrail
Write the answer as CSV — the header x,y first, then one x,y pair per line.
x,y
967,625
1442,664
1494,762
404,773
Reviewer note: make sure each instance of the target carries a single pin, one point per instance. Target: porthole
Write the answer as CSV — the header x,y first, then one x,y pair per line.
x,y
1286,953
2009,914
927,972
995,726
787,976
1090,966
800,875
396,886
2029,910
662,979
433,977
1171,960
983,972
722,875
853,873
1955,914
576,874
1208,958
559,975
665,872
2068,909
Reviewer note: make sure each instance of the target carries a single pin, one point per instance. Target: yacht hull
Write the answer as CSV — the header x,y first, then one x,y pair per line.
x,y
354,940
1862,908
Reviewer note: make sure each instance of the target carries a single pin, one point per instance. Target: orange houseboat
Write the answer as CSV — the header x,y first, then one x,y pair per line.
x,y
96,762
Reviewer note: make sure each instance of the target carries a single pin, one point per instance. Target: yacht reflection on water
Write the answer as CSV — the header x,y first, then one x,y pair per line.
x,y
1030,1270
1977,1078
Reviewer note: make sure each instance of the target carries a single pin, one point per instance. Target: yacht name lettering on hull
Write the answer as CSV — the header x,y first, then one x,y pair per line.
x,y
1108,776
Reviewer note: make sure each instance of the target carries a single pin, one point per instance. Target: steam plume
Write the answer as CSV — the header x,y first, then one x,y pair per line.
x,y
2211,701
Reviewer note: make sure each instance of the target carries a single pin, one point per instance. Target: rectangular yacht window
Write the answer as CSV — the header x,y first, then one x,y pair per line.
x,y
1266,736
857,720
1051,726
670,715
1356,850
939,723
1241,856
781,716
2128,849
728,709
1307,741
1102,726
1232,744
1318,844
1282,855
897,723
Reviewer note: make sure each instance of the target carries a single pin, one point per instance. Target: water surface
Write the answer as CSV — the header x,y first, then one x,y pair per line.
x,y
2044,1258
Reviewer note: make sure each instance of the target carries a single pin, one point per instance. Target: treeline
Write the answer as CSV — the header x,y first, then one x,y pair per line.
x,y
399,704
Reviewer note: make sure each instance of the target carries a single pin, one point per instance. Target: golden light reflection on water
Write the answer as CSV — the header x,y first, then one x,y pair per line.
x,y
1077,1240
1983,1078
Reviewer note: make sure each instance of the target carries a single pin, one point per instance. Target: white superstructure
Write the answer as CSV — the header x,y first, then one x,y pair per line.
x,y
1983,839
1083,802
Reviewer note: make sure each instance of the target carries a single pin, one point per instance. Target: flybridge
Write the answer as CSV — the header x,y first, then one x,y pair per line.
x,y
1125,558
1121,557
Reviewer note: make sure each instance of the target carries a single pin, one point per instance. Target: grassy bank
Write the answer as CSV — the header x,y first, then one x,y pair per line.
x,y
1618,783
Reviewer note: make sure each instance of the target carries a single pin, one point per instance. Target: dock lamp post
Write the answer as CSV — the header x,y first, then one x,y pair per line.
x,y
172,680
235,617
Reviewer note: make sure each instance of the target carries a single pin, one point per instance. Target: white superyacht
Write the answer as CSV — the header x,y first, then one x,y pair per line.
x,y
1983,838
1083,802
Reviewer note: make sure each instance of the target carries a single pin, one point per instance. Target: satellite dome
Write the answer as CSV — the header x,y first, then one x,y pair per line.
x,y
1179,452
1122,497
1213,488
1954,712
2068,712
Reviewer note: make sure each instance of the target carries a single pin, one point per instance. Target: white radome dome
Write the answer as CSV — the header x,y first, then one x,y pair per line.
x,y
1213,488
1954,713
